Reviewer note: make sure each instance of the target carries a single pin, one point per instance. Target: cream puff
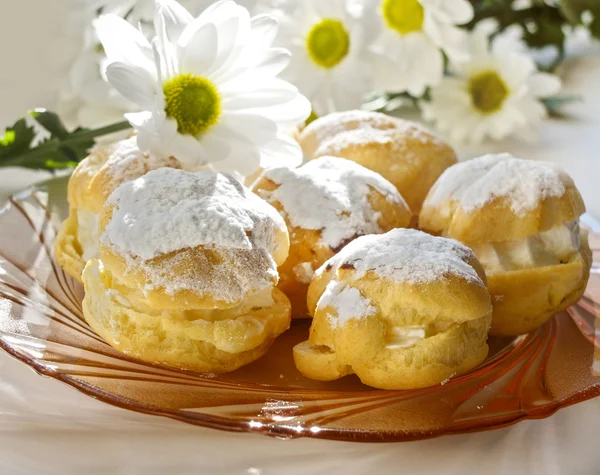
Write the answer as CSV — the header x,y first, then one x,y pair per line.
x,y
521,218
401,310
403,152
326,203
187,272
91,183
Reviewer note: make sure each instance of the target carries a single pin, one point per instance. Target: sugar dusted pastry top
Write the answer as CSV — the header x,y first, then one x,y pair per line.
x,y
332,195
108,166
409,276
406,255
168,210
374,137
332,124
500,197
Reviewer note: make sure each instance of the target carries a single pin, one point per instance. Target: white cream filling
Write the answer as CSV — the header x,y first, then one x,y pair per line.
x,y
407,336
304,272
404,337
87,233
552,247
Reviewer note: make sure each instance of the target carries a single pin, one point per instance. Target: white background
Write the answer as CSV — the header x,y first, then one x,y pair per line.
x,y
49,428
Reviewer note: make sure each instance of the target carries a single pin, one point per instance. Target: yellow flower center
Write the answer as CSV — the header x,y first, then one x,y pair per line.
x,y
193,101
488,92
404,16
328,43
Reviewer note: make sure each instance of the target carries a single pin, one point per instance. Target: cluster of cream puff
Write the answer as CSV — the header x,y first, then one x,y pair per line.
x,y
197,271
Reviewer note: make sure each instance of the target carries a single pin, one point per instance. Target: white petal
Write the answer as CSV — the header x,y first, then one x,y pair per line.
x,y
198,54
515,69
281,152
216,144
288,114
189,151
122,42
174,17
258,128
453,40
244,156
544,84
272,93
233,37
455,12
134,83
263,30
139,119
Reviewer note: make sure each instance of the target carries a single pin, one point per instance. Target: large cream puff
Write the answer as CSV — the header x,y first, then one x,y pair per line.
x,y
401,310
326,203
521,218
91,183
187,272
403,152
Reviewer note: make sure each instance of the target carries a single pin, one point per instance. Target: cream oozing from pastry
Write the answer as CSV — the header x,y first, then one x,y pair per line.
x,y
553,247
409,335
405,337
304,272
87,233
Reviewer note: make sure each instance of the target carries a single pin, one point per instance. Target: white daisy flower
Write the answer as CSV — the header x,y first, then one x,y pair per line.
x,y
412,36
329,53
495,95
207,87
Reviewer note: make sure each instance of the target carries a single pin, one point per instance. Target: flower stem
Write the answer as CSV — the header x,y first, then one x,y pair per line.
x,y
35,156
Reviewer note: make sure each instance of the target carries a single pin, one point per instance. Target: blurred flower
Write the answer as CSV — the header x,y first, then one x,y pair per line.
x,y
329,53
496,94
412,34
207,87
86,99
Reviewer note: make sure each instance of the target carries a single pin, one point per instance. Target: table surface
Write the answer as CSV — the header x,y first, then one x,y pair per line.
x,y
47,427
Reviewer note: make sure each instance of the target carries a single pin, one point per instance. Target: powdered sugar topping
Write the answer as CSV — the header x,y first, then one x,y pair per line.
x,y
332,195
168,210
347,301
474,183
406,255
127,162
395,139
332,124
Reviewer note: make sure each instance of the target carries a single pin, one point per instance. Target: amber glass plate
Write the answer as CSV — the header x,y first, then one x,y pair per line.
x,y
41,324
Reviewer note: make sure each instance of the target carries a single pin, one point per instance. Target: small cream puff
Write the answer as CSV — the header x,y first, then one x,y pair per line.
x,y
401,310
187,272
521,218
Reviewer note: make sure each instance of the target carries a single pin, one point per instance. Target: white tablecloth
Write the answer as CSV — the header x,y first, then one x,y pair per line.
x,y
49,428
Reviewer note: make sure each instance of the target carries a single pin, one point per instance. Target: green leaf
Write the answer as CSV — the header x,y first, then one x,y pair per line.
x,y
51,122
555,104
16,139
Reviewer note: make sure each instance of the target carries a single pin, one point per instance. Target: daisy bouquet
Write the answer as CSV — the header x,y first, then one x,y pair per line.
x,y
223,85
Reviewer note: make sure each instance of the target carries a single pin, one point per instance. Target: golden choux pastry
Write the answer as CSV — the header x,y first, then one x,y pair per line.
x,y
401,310
91,183
521,218
403,152
327,203
187,271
